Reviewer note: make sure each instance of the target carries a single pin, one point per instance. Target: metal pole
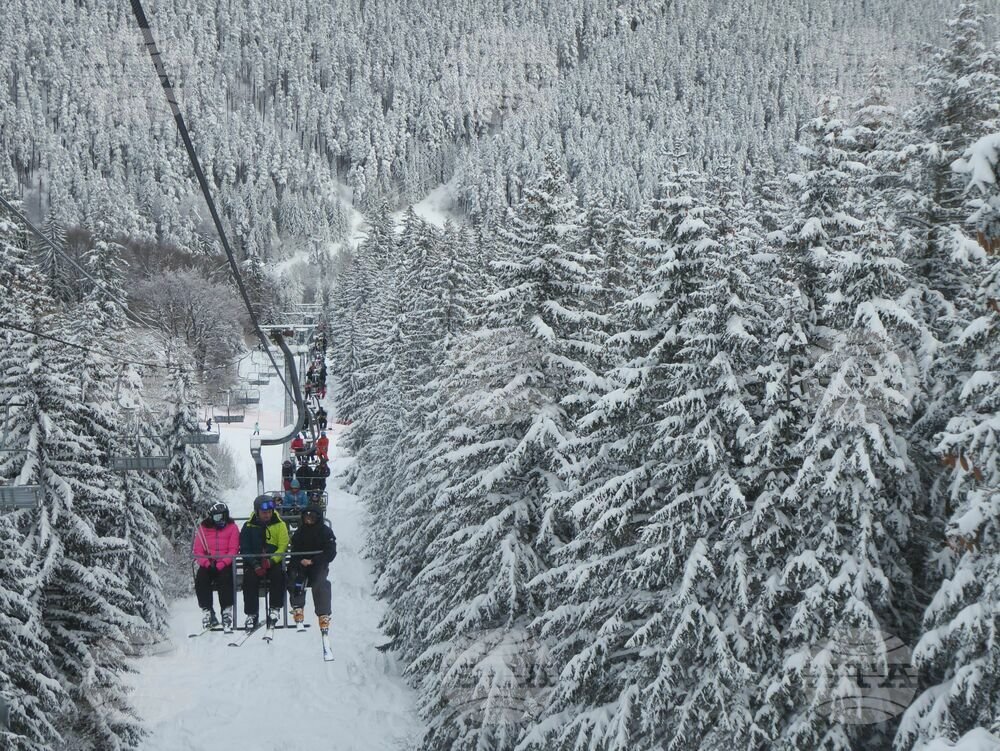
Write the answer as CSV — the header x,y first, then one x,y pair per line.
x,y
233,606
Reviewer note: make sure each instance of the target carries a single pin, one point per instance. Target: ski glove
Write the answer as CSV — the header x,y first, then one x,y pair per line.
x,y
205,564
261,570
220,565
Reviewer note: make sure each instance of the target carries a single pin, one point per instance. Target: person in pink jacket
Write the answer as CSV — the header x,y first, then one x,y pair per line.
x,y
216,541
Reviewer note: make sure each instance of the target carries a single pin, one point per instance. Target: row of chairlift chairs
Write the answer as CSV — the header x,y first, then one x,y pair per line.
x,y
231,408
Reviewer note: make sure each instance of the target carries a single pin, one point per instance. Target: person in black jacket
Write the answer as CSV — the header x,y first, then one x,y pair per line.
x,y
320,474
305,474
308,568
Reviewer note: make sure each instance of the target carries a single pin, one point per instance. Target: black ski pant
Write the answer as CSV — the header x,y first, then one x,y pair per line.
x,y
209,579
273,579
315,577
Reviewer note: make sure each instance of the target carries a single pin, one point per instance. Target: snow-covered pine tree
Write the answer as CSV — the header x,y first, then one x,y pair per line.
x,y
101,325
507,433
53,265
856,487
608,594
84,608
191,484
956,652
27,669
959,102
417,511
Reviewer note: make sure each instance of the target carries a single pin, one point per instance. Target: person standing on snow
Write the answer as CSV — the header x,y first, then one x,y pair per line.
x,y
216,541
312,569
263,533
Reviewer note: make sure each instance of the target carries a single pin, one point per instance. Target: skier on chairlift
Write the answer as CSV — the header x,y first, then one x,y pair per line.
x,y
295,498
306,475
323,447
216,541
320,474
264,534
312,569
287,474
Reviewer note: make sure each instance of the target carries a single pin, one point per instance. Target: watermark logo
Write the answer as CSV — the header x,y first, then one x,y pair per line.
x,y
497,677
861,677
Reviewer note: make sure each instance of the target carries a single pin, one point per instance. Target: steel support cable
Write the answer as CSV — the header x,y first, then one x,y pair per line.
x,y
55,249
115,358
168,90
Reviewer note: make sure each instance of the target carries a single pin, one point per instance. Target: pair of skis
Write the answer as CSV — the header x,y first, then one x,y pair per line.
x,y
269,637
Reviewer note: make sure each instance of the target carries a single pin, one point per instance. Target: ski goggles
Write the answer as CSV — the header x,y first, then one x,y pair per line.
x,y
218,518
266,506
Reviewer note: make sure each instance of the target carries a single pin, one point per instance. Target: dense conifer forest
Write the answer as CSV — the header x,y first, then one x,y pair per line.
x,y
699,381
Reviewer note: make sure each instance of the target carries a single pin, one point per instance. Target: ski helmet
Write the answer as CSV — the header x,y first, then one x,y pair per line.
x,y
263,503
313,512
296,484
219,514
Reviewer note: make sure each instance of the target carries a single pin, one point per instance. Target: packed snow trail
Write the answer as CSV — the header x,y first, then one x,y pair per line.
x,y
206,696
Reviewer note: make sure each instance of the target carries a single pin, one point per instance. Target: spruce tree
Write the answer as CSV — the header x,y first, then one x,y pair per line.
x,y
957,655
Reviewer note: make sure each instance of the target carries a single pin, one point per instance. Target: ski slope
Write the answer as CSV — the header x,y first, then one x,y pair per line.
x,y
203,695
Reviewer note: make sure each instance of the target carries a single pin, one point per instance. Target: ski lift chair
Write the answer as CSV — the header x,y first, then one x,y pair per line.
x,y
200,438
234,412
138,462
17,497
14,497
247,397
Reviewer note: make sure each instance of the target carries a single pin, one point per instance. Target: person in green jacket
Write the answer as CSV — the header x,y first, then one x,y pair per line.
x,y
264,532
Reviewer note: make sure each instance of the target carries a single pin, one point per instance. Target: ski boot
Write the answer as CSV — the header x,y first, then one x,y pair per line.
x,y
251,623
227,622
324,624
207,618
298,615
272,617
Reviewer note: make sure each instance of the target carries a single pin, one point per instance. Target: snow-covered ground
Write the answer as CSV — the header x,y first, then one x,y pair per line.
x,y
206,696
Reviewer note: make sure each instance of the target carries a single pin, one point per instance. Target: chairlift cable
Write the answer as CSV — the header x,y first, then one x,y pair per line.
x,y
20,216
168,90
126,361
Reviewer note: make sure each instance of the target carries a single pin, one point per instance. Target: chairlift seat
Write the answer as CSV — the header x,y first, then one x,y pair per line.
x,y
14,497
140,463
226,419
197,439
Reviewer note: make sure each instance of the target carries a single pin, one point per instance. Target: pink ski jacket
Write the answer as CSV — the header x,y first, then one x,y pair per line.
x,y
209,541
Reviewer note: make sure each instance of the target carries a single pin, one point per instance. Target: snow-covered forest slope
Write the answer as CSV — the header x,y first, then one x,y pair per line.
x,y
393,98
675,423
698,474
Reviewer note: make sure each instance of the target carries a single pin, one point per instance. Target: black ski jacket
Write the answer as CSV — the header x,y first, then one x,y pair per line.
x,y
316,536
